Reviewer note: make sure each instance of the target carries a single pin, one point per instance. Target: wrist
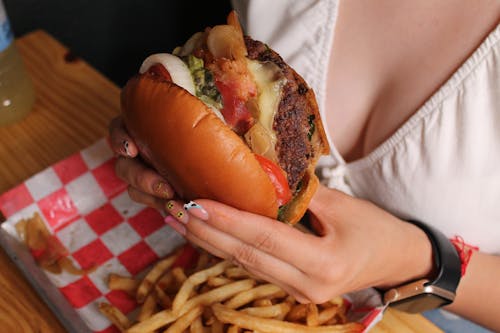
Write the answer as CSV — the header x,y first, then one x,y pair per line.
x,y
413,257
430,292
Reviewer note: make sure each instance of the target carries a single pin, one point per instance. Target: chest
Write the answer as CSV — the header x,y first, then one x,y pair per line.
x,y
382,71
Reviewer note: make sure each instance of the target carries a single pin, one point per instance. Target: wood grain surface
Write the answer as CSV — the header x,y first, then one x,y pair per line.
x,y
395,321
73,108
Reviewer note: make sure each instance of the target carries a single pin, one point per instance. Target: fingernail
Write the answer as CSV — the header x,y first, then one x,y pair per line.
x,y
169,220
177,211
126,149
196,210
163,189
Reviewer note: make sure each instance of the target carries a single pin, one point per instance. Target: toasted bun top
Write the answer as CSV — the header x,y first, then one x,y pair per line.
x,y
192,148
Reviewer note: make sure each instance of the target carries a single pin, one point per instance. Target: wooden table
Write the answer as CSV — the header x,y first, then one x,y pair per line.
x,y
73,108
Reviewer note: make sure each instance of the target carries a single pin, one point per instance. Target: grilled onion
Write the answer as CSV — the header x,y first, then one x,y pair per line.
x,y
225,41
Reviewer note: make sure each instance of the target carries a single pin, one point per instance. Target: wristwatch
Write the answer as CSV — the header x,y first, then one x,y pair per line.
x,y
426,294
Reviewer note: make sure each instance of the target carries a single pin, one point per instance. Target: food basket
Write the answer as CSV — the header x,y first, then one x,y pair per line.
x,y
87,209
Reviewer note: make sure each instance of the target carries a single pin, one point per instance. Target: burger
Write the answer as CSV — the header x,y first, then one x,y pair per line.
x,y
223,117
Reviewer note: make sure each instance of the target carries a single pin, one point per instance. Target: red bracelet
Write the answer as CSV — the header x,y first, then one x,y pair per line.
x,y
464,250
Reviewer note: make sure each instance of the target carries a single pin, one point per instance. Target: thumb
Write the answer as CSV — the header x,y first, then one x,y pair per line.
x,y
325,208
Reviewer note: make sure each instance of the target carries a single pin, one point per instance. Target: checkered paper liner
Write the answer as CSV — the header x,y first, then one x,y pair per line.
x,y
87,208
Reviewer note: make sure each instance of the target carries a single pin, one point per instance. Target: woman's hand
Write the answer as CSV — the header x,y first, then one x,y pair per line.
x,y
145,184
359,245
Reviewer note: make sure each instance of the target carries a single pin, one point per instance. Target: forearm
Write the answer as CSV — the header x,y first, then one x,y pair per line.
x,y
478,295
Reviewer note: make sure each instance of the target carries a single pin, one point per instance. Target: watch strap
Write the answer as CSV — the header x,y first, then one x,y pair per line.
x,y
446,258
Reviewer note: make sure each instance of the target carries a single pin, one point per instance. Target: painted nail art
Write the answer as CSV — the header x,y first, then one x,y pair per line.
x,y
177,211
176,225
196,210
126,149
162,189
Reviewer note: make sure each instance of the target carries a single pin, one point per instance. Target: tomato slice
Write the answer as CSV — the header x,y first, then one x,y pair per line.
x,y
277,177
235,112
159,71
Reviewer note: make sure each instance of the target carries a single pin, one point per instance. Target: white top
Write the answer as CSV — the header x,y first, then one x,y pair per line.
x,y
443,165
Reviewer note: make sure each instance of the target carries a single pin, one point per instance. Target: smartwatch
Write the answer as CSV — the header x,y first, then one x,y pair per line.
x,y
426,294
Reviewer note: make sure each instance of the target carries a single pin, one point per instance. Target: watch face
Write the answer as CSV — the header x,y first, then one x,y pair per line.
x,y
420,303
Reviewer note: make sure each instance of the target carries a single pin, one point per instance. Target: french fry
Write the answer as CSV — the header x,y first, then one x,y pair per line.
x,y
127,284
233,329
219,294
312,315
270,311
230,316
253,294
208,315
217,281
197,325
297,313
337,301
328,314
217,326
115,316
166,282
148,308
179,275
153,276
236,273
166,317
162,298
262,302
342,314
154,322
195,280
179,301
185,320
68,265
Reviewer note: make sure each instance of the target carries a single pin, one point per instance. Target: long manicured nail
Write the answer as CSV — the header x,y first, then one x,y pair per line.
x,y
176,225
177,211
196,210
163,190
126,148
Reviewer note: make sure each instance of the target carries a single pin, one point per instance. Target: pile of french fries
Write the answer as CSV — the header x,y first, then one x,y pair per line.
x,y
217,296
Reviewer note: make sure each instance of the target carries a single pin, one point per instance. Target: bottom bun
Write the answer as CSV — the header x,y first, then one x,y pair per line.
x,y
294,210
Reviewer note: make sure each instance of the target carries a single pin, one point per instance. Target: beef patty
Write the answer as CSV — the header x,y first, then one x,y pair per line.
x,y
293,119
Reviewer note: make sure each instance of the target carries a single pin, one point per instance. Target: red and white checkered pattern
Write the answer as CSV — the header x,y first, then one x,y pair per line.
x,y
88,209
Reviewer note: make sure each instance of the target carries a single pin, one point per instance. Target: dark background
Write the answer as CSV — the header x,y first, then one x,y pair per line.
x,y
115,36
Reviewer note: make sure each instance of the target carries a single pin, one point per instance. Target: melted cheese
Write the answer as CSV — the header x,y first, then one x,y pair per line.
x,y
262,138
